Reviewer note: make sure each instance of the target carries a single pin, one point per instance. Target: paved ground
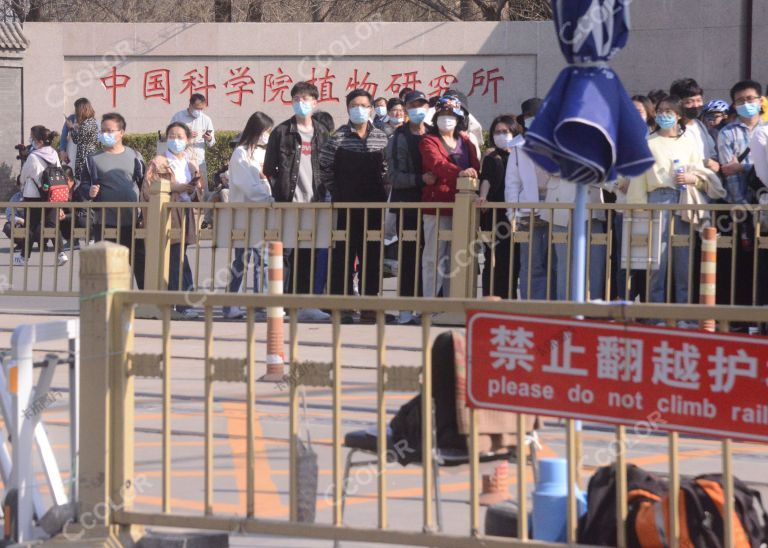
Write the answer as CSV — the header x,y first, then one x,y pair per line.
x,y
359,411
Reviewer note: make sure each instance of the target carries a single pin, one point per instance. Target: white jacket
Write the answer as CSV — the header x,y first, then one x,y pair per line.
x,y
245,176
33,168
560,191
524,181
758,146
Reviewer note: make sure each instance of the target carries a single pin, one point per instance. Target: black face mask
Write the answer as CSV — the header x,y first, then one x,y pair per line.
x,y
692,113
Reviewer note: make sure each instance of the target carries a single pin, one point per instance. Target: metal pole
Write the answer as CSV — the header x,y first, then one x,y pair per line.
x,y
579,272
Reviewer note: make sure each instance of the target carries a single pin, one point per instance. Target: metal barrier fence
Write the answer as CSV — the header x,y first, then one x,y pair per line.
x,y
107,450
514,251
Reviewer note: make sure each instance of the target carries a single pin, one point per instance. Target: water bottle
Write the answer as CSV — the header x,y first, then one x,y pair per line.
x,y
678,168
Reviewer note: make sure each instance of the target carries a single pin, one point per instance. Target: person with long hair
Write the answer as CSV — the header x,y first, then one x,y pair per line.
x,y
186,186
248,184
677,162
448,153
85,133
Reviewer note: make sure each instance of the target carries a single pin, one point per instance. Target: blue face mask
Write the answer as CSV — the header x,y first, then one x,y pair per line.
x,y
107,140
417,115
665,121
302,109
176,145
748,110
359,115
381,111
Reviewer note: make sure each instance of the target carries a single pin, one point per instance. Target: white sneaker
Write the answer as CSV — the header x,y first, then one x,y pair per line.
x,y
18,260
189,314
312,315
406,317
234,313
63,259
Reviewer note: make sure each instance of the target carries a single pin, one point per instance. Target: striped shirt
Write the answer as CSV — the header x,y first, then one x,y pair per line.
x,y
731,143
347,138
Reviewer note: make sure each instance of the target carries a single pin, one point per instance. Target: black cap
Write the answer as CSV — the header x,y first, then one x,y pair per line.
x,y
415,95
531,106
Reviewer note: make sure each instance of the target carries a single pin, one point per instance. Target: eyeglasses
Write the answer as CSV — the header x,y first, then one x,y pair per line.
x,y
745,100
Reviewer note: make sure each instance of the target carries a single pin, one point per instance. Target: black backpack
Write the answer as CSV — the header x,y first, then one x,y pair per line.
x,y
598,526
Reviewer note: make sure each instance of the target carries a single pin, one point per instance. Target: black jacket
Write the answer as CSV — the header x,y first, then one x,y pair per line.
x,y
281,164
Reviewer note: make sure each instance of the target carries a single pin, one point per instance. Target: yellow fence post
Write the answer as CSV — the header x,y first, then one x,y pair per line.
x,y
464,233
462,270
105,478
157,242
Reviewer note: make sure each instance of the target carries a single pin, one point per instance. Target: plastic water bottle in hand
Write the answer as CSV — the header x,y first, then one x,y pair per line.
x,y
678,167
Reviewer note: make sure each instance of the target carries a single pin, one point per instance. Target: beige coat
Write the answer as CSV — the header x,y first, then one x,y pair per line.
x,y
159,169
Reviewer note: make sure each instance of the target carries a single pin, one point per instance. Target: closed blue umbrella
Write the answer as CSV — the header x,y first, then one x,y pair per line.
x,y
588,129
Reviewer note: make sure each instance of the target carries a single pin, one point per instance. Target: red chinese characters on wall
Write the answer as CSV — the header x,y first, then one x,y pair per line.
x,y
240,82
157,84
196,82
276,85
485,79
113,82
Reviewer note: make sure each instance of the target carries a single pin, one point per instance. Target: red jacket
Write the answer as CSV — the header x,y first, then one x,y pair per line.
x,y
435,159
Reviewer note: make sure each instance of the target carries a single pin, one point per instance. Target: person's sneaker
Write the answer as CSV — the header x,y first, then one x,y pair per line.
x,y
188,314
63,259
18,260
368,317
347,317
406,318
312,315
235,313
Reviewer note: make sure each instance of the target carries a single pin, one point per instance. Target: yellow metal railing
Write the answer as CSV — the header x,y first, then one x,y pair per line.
x,y
107,308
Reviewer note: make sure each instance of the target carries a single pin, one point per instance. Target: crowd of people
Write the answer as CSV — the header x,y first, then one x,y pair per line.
x,y
412,149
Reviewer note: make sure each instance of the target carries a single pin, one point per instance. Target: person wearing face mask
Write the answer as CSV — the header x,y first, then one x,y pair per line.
x,y
498,254
448,153
406,177
292,165
186,186
692,96
203,136
248,184
354,169
395,116
115,175
42,156
380,110
679,163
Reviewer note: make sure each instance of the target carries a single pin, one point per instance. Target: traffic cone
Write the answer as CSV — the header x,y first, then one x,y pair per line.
x,y
496,486
275,318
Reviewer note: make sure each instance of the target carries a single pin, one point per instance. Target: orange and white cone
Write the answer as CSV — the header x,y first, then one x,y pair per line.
x,y
496,487
275,317
708,282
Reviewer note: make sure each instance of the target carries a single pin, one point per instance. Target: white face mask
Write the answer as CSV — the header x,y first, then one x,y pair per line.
x,y
503,140
529,122
196,113
446,123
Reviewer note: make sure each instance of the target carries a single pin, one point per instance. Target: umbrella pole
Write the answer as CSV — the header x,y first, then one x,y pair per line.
x,y
578,288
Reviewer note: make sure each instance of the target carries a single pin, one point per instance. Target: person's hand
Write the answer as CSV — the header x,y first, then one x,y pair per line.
x,y
481,202
94,191
194,135
731,169
469,172
207,136
623,185
429,179
63,156
62,216
711,164
686,178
